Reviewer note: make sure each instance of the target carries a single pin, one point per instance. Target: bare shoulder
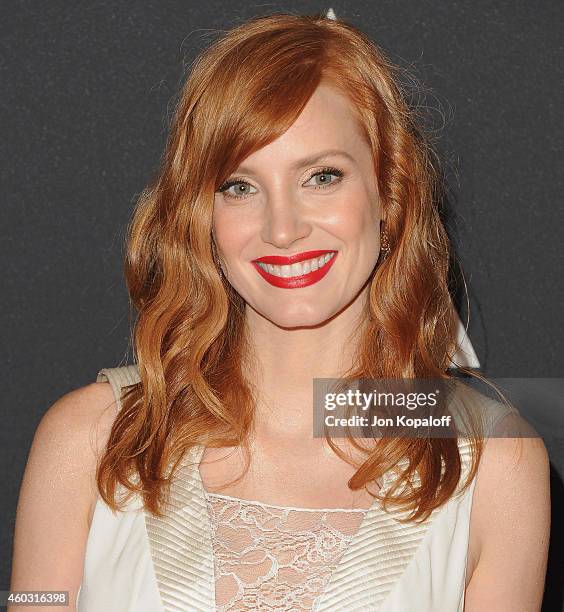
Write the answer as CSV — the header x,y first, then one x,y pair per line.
x,y
82,415
72,434
58,490
510,521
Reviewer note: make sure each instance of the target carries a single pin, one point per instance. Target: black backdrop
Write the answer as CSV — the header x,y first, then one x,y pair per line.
x,y
87,92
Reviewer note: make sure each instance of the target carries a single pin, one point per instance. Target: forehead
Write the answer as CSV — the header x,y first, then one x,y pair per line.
x,y
328,107
328,121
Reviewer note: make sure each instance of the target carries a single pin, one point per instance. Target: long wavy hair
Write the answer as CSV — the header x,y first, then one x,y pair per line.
x,y
244,91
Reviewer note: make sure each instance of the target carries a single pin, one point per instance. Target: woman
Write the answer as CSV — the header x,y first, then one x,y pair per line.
x,y
292,234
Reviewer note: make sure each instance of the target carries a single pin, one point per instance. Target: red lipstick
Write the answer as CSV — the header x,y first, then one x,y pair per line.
x,y
293,282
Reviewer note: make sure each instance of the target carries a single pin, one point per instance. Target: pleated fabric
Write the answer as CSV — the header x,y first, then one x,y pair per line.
x,y
137,562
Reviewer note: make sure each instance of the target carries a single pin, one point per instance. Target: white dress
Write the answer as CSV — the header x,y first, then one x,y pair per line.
x,y
216,552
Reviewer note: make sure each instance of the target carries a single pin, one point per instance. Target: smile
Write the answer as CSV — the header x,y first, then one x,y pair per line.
x,y
299,270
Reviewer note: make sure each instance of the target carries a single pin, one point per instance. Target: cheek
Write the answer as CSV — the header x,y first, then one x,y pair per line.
x,y
229,234
358,222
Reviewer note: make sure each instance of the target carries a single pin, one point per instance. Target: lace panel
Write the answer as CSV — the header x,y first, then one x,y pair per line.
x,y
270,557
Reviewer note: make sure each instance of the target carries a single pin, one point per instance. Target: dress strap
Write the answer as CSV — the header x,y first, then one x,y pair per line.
x,y
119,378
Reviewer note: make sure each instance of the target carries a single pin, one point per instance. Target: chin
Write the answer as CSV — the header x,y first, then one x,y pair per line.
x,y
298,316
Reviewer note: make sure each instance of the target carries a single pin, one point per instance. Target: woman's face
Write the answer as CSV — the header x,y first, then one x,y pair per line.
x,y
292,208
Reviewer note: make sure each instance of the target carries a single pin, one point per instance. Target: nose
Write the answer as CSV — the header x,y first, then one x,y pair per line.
x,y
284,222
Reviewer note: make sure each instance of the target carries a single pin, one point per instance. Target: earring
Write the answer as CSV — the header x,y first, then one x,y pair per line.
x,y
384,244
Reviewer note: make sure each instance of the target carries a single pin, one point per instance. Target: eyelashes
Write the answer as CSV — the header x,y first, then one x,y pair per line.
x,y
239,181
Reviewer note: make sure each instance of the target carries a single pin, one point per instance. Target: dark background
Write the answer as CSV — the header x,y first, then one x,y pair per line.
x,y
88,89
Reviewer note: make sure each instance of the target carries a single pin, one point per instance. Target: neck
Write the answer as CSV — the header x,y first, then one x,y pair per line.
x,y
285,362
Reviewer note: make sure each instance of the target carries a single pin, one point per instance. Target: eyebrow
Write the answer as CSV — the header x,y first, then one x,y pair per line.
x,y
311,159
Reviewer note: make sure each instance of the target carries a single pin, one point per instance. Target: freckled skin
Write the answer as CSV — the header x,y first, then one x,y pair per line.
x,y
281,216
299,334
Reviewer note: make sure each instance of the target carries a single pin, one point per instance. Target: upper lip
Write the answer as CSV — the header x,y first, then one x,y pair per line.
x,y
280,260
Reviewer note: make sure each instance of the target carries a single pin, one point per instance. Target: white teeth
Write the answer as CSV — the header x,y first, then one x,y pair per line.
x,y
297,269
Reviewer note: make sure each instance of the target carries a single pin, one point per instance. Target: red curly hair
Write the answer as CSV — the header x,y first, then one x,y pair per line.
x,y
243,92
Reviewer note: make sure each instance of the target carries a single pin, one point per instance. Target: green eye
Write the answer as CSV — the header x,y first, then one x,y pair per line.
x,y
235,183
244,186
327,172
